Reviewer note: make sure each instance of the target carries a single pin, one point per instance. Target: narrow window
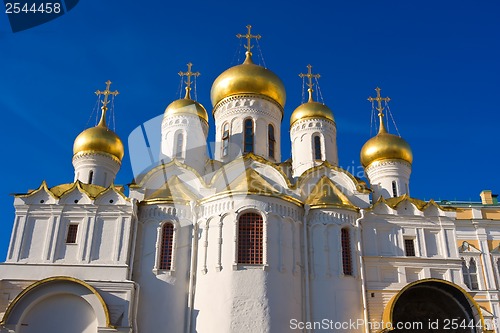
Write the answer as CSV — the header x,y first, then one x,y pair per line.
x,y
248,144
225,139
473,275
394,189
167,239
91,175
317,148
179,145
250,239
271,139
409,248
346,252
71,235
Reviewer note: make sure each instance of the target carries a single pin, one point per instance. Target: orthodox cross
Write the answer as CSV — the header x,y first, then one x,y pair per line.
x,y
188,82
249,37
379,100
310,76
106,93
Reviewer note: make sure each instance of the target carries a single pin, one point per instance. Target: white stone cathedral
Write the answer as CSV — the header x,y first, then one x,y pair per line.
x,y
245,242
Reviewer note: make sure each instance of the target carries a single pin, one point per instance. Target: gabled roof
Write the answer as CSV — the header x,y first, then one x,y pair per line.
x,y
91,190
326,194
173,191
419,204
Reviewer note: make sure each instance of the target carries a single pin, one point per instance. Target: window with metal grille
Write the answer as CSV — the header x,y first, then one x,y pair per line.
x,y
271,139
346,252
317,148
250,239
394,189
179,145
72,233
409,248
248,141
167,240
225,139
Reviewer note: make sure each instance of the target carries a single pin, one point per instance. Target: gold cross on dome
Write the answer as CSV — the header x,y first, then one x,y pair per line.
x,y
249,37
379,100
188,82
310,76
106,93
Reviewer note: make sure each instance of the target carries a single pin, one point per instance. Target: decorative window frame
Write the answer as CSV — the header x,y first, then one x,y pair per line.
x,y
158,248
467,252
495,261
238,266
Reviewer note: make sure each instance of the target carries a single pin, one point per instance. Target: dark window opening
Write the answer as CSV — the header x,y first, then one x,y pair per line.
x,y
248,141
167,240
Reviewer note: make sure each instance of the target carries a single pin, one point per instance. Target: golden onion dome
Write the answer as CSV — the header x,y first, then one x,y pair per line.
x,y
99,139
385,146
311,109
186,106
248,78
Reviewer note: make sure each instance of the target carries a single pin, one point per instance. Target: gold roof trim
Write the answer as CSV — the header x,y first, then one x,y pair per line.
x,y
255,158
40,283
145,176
360,185
420,204
172,191
251,182
91,190
326,194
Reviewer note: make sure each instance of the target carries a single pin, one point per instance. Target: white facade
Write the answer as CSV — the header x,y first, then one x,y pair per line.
x,y
254,245
303,136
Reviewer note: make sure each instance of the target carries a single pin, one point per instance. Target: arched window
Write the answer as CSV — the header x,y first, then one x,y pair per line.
x,y
271,139
317,148
179,145
225,139
167,246
91,176
248,141
470,274
250,239
394,189
346,252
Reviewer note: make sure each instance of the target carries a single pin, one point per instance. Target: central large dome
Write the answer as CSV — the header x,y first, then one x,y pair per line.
x,y
248,78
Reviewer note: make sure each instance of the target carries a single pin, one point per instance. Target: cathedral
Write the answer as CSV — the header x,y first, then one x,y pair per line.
x,y
239,241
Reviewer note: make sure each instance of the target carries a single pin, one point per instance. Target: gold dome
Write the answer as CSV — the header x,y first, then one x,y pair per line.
x,y
311,109
248,78
99,139
385,146
186,106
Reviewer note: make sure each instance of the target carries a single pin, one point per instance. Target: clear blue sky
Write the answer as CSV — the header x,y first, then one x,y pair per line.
x,y
439,61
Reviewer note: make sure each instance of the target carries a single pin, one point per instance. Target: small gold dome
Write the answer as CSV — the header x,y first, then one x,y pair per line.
x,y
99,139
248,78
186,106
385,146
311,109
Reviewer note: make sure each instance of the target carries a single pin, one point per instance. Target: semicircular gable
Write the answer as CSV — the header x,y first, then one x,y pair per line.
x,y
56,286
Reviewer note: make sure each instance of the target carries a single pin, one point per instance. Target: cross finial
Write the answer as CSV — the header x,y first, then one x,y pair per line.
x,y
249,45
105,102
310,84
380,108
188,82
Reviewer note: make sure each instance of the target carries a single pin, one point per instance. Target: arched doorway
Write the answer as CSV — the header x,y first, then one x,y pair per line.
x,y
431,306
